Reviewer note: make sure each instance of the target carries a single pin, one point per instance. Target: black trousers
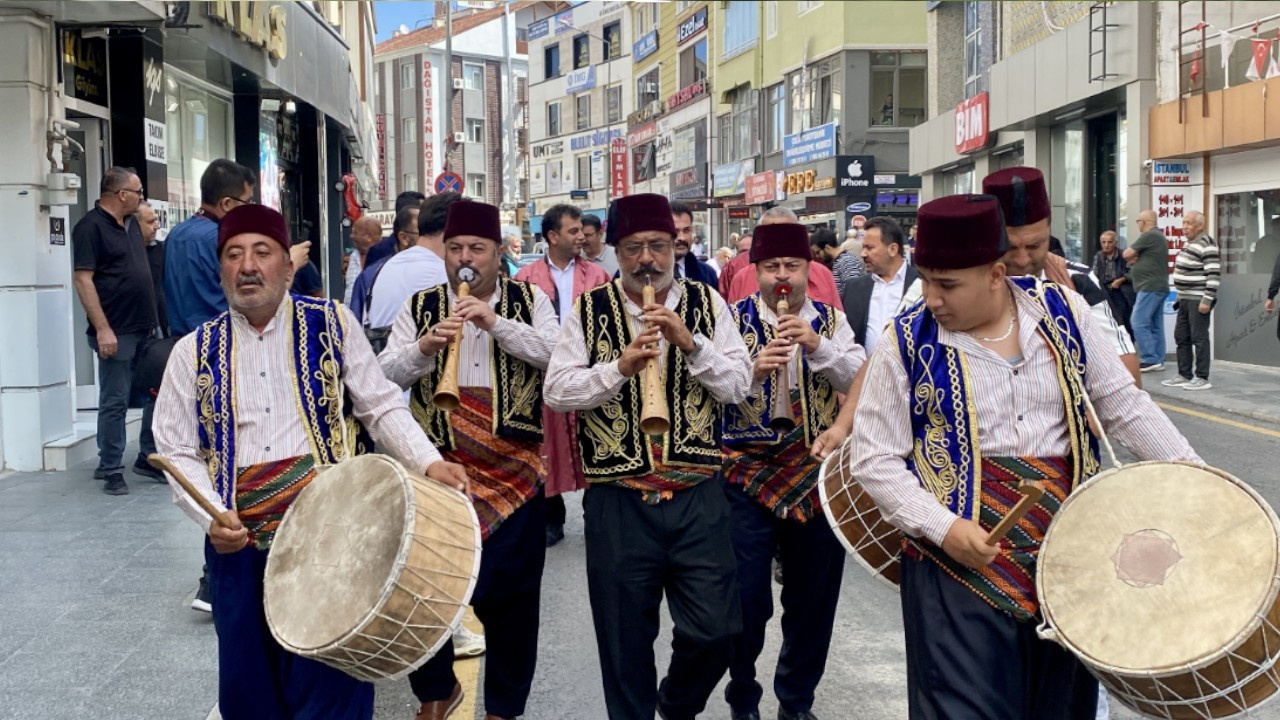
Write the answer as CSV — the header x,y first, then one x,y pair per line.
x,y
814,562
506,600
1191,333
968,661
635,553
556,510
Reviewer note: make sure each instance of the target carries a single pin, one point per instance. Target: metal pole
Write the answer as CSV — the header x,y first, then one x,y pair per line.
x,y
448,83
608,125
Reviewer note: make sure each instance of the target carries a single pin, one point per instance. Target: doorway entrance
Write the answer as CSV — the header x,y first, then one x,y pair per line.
x,y
89,165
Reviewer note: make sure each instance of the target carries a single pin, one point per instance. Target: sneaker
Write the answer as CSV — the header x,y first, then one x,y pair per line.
x,y
555,533
115,485
1151,367
467,643
1198,384
143,468
204,599
1175,381
99,474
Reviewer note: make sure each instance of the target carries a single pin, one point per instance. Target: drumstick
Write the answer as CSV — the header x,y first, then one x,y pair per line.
x,y
163,463
1031,491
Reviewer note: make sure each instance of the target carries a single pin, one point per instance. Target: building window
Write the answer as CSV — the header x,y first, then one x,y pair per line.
x,y
613,98
824,92
899,83
693,63
771,18
407,129
475,186
958,181
741,27
613,41
647,88
475,131
409,181
775,118
522,34
804,6
583,111
407,76
682,5
742,132
583,179
473,76
551,61
972,50
581,51
1248,231
646,18
553,119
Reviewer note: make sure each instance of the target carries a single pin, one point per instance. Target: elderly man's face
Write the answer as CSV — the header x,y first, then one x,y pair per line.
x,y
1192,224
1108,242
256,272
148,223
648,254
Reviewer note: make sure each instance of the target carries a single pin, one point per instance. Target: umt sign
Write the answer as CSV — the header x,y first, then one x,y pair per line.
x,y
971,123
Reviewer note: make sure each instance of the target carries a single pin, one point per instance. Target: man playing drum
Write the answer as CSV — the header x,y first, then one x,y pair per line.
x,y
506,330
655,522
771,481
971,392
251,402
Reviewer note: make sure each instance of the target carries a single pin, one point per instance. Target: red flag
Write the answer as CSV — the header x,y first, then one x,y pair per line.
x,y
1259,65
1195,68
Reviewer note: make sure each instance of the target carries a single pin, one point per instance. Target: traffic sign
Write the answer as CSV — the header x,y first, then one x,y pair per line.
x,y
448,181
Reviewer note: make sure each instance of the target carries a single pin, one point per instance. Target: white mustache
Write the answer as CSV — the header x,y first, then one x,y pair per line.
x,y
244,280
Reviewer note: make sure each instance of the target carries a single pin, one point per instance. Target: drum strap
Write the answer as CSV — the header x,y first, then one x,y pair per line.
x,y
1009,583
266,490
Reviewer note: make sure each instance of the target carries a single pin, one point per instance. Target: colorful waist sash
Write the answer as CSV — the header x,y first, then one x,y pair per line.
x,y
266,490
505,473
666,479
783,477
1008,583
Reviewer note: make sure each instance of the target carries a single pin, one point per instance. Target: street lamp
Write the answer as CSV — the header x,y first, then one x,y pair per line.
x,y
608,51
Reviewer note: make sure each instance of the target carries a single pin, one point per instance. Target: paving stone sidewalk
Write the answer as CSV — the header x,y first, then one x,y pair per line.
x,y
1248,391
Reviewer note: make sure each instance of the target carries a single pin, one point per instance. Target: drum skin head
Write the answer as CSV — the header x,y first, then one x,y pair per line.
x,y
1158,566
329,564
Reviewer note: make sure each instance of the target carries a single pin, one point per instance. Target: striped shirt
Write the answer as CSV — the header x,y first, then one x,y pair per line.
x,y
404,363
720,365
1020,412
1197,271
846,268
268,420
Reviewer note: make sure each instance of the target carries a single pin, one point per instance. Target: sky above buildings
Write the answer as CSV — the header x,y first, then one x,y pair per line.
x,y
392,14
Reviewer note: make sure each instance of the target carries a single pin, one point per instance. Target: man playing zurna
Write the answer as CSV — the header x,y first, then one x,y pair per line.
x,y
507,330
971,391
245,413
771,481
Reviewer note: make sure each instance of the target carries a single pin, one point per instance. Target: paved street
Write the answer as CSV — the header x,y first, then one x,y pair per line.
x,y
94,592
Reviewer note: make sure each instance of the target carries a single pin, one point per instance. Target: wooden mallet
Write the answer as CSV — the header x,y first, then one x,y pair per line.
x,y
1032,491
163,463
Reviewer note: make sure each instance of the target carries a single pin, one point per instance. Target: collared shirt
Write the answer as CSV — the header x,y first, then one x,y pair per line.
x,y
1020,412
354,268
116,255
404,363
405,273
607,259
268,420
564,285
837,357
885,296
720,364
192,274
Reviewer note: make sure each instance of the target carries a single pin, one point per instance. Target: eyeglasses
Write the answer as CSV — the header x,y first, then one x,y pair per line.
x,y
139,191
239,201
634,250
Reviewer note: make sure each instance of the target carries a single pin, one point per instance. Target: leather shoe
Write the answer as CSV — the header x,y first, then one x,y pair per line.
x,y
749,715
441,709
555,533
783,714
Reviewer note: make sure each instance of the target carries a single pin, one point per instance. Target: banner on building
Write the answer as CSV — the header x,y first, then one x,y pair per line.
x,y
428,125
382,156
809,146
1177,186
618,167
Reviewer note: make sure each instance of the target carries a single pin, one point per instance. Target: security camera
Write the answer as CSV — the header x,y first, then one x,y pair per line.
x,y
1146,163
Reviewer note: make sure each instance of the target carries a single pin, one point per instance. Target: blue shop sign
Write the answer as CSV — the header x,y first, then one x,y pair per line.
x,y
645,46
580,80
809,146
539,29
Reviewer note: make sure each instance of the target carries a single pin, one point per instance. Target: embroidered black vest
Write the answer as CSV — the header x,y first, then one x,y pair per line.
x,y
609,436
748,422
517,385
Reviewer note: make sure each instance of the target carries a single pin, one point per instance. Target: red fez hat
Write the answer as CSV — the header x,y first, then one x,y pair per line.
x,y
260,219
780,240
639,213
1022,194
467,217
958,232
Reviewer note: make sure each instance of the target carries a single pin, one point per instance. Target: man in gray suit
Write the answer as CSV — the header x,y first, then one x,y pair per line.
x,y
871,300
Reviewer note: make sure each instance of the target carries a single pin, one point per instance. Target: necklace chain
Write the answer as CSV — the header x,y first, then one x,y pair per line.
x,y
1013,318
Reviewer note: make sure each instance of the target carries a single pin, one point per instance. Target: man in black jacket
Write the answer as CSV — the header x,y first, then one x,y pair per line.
x,y
687,264
871,300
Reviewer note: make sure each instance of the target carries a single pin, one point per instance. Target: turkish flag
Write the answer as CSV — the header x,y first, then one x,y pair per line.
x,y
1260,64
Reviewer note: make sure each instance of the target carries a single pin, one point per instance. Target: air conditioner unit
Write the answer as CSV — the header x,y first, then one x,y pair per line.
x,y
458,84
649,88
459,137
655,107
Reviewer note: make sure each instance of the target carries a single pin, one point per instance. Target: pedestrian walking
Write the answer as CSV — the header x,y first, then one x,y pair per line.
x,y
1196,274
1148,259
1112,272
113,279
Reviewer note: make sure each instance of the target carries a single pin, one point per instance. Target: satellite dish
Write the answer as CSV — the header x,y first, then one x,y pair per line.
x,y
404,29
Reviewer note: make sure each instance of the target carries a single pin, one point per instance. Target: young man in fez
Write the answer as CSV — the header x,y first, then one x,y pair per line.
x,y
1024,199
232,418
772,482
992,353
657,522
507,330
